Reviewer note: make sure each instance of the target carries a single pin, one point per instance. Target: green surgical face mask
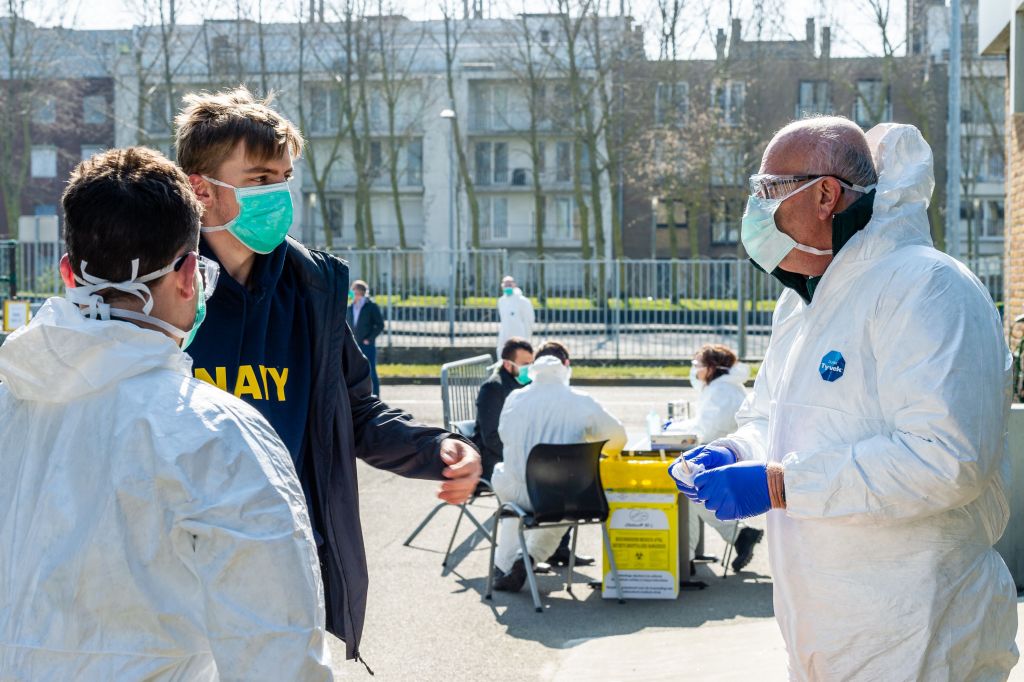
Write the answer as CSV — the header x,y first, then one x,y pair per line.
x,y
264,215
524,375
509,291
200,315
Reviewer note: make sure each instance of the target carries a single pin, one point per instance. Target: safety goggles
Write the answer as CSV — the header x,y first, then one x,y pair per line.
x,y
778,187
208,269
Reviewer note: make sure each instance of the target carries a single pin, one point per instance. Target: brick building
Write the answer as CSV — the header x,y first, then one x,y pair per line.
x,y
739,99
1001,32
60,90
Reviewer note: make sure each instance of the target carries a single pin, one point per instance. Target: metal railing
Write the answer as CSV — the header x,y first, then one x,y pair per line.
x,y
604,309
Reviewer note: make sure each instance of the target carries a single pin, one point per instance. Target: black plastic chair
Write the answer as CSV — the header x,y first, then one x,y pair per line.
x,y
564,484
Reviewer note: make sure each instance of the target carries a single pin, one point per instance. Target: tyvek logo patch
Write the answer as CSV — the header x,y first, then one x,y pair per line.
x,y
832,366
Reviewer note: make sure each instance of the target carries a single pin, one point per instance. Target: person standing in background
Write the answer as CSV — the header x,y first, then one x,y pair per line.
x,y
515,314
367,323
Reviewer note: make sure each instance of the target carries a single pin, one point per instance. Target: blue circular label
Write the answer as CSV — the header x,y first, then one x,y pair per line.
x,y
832,366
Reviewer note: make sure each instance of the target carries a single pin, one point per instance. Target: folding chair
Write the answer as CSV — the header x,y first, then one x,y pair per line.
x,y
564,484
460,383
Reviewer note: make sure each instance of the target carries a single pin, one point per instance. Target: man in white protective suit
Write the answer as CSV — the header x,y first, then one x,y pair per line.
x,y
547,411
515,314
151,525
876,432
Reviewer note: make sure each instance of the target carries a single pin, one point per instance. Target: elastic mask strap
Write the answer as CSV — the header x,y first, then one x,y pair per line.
x,y
95,308
148,319
812,250
217,228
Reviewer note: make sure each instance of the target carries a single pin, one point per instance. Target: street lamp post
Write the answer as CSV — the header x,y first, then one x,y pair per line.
x,y
450,115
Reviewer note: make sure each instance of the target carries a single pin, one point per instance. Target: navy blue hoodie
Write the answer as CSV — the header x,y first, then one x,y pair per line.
x,y
266,365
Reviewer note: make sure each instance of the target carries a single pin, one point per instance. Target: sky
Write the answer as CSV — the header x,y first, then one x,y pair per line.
x,y
855,31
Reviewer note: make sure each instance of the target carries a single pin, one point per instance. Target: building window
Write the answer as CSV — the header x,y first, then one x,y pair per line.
x,y
728,168
500,163
681,215
161,111
494,217
728,98
671,103
725,223
45,111
491,163
414,162
563,219
992,219
335,206
91,150
376,160
323,109
44,162
45,209
813,99
489,107
872,104
94,109
482,162
563,162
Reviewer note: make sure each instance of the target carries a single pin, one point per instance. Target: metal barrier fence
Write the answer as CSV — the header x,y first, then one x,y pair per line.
x,y
629,309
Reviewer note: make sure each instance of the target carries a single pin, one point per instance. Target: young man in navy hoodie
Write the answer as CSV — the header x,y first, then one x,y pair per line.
x,y
276,337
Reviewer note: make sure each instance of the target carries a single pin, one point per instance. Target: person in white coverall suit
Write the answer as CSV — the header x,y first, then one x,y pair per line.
x,y
515,314
876,431
151,525
719,379
546,411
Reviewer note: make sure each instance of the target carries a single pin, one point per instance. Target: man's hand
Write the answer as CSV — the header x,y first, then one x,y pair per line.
x,y
700,459
366,342
735,491
463,471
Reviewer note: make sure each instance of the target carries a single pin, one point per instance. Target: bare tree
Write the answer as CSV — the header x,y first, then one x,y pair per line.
x,y
29,82
397,58
453,34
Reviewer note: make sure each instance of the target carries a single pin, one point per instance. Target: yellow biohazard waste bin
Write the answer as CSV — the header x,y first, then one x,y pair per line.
x,y
643,528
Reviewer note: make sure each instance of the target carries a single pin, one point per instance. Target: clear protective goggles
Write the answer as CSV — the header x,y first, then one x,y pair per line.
x,y
779,187
208,269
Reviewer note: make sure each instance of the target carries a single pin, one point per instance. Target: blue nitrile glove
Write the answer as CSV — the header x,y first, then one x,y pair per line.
x,y
737,491
706,456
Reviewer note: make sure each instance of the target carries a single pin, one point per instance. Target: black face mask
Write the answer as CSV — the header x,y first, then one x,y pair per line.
x,y
844,225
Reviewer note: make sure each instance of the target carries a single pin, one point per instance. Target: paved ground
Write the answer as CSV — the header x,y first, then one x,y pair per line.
x,y
427,623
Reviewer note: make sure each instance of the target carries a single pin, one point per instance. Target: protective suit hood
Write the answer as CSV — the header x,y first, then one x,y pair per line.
x,y
61,356
549,370
906,179
737,374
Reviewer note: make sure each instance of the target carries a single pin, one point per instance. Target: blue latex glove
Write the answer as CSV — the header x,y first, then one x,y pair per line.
x,y
708,456
737,491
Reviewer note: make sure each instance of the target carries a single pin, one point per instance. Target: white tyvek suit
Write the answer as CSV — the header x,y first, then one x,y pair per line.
x,y
151,526
715,417
895,458
546,411
515,315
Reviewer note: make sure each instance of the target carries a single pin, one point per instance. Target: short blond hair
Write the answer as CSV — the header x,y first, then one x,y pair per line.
x,y
212,124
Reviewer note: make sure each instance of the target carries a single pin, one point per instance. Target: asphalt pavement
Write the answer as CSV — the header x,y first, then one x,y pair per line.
x,y
427,622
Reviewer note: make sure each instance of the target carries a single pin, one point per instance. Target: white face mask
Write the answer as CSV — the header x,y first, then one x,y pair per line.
x,y
763,241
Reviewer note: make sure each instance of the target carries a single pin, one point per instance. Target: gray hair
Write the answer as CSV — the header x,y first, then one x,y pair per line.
x,y
834,145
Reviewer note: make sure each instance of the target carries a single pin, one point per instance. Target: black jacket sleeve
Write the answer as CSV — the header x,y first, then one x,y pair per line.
x,y
387,438
489,402
376,320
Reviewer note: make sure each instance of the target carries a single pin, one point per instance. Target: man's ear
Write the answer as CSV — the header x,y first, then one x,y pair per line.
x,y
185,278
831,195
66,273
202,189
